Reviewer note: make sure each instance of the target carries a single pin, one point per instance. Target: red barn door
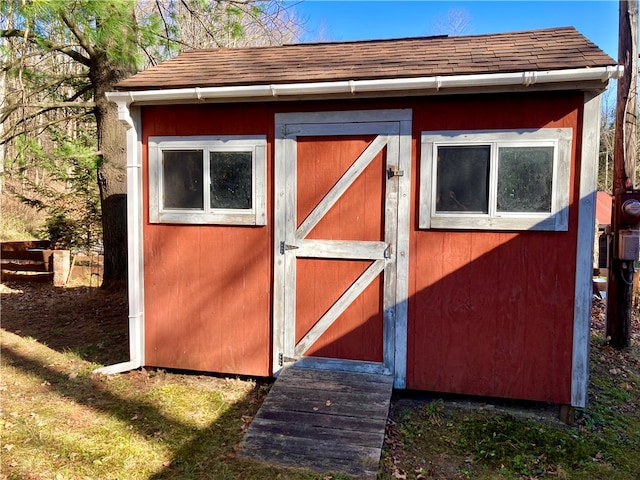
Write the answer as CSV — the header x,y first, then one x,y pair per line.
x,y
336,263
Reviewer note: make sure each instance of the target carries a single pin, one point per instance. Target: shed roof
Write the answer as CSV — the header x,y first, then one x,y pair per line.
x,y
533,50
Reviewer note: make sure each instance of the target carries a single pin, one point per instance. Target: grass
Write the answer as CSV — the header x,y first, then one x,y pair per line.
x,y
523,447
461,438
59,420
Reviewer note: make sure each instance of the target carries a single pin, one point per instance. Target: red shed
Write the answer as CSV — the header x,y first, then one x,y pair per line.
x,y
420,207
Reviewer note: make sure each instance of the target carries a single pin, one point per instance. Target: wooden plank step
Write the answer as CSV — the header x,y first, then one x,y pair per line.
x,y
321,394
311,462
336,422
23,245
26,267
335,386
322,420
6,276
302,430
33,255
329,449
358,409
338,376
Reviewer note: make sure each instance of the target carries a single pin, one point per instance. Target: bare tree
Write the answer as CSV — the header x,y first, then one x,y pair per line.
x,y
188,25
456,22
607,136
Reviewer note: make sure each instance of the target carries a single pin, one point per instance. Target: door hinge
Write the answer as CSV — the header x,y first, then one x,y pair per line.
x,y
286,246
282,359
394,172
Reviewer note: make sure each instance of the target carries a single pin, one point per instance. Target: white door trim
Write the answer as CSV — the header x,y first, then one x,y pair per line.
x,y
393,128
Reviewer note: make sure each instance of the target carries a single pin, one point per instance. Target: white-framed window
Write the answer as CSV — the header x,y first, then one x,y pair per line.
x,y
495,179
208,180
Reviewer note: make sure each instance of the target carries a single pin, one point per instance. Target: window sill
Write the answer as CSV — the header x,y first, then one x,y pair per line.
x,y
556,222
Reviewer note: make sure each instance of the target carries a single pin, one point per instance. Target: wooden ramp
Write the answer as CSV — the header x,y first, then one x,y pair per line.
x,y
322,420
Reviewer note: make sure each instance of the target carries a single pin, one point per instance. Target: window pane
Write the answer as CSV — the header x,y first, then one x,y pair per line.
x,y
525,175
231,180
463,179
182,176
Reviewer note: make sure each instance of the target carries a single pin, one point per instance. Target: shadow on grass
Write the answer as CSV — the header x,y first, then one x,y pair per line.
x,y
202,453
88,321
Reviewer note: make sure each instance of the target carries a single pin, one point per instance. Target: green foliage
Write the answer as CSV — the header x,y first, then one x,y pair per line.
x,y
524,447
60,229
60,57
108,26
442,439
60,180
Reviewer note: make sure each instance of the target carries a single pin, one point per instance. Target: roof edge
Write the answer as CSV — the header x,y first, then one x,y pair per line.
x,y
392,39
354,87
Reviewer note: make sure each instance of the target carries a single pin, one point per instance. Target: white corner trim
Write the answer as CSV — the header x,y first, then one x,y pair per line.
x,y
584,250
569,78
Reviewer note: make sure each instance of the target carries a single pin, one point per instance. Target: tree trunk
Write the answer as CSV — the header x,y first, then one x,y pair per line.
x,y
112,172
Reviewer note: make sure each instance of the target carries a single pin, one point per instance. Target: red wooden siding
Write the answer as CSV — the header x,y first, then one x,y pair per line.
x,y
492,313
357,333
489,313
207,288
357,215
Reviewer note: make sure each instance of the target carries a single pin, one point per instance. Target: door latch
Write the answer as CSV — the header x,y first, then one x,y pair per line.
x,y
286,246
394,172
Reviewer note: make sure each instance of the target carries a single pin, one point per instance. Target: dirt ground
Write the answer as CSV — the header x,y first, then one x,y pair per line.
x,y
88,321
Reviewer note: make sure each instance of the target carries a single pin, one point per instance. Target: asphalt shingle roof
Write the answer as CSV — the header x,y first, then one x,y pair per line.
x,y
533,50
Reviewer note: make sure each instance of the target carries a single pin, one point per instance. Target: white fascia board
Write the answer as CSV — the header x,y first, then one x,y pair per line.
x,y
569,78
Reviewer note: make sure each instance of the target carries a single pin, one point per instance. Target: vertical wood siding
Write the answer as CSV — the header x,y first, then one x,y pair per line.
x,y
357,215
489,313
207,288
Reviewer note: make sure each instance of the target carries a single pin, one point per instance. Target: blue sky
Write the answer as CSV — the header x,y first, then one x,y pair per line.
x,y
339,20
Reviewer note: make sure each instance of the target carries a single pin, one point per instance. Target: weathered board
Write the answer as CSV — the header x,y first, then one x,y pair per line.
x,y
321,420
